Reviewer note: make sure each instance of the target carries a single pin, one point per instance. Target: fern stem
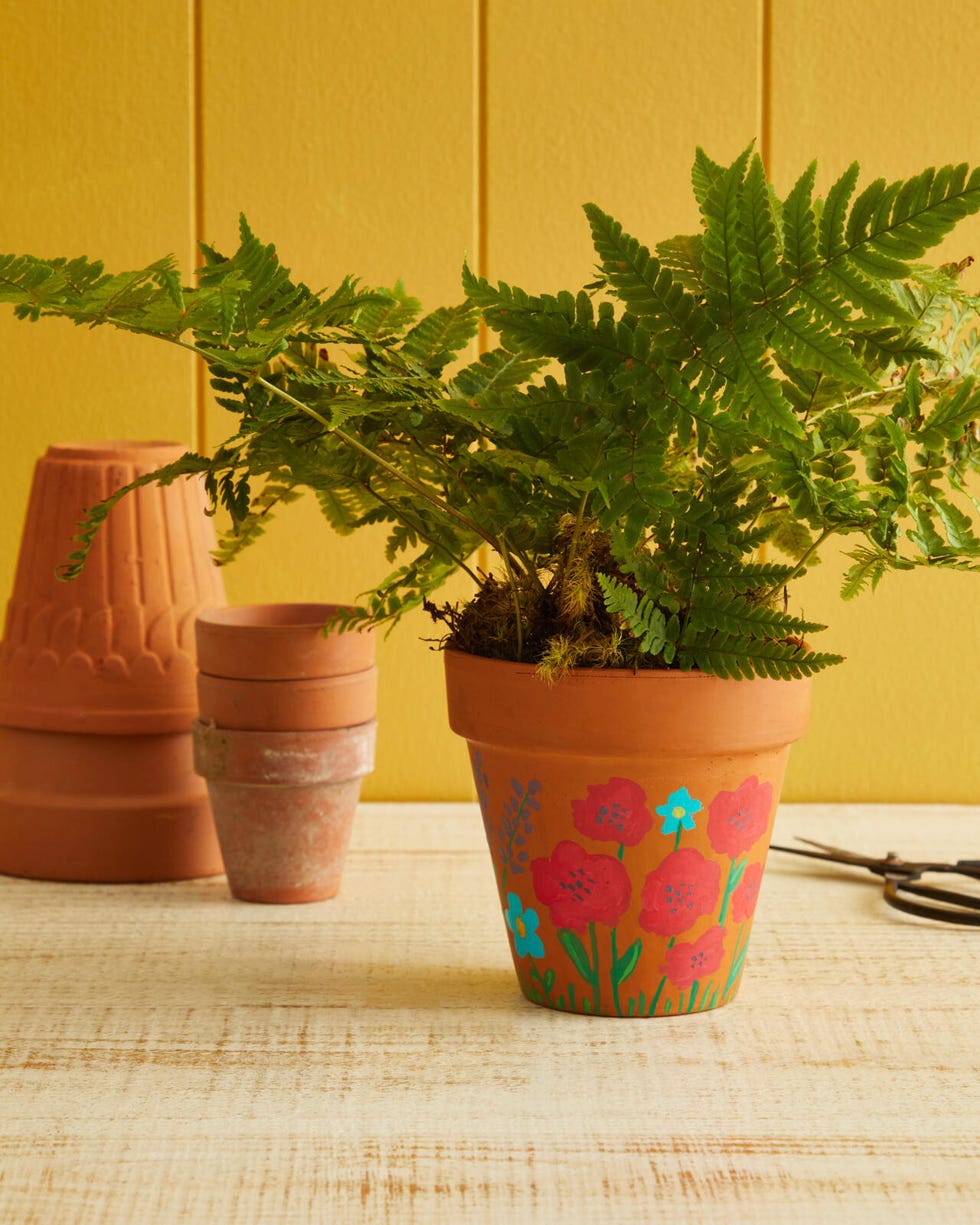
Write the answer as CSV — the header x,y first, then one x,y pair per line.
x,y
383,464
504,552
400,516
800,565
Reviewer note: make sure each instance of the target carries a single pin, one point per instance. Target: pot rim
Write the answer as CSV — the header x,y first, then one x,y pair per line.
x,y
274,618
616,712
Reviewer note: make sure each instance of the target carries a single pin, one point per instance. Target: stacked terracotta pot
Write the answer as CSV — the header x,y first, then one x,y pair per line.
x,y
97,676
286,733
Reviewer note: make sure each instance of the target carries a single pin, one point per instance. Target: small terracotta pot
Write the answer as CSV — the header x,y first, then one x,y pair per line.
x,y
278,642
628,817
285,735
283,805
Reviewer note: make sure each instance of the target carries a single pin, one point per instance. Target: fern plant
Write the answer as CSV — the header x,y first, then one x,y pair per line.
x,y
651,460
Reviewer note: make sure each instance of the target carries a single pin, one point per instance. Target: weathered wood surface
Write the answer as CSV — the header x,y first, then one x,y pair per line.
x,y
169,1056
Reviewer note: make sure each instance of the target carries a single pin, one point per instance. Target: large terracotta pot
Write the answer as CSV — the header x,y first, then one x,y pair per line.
x,y
286,733
628,817
97,676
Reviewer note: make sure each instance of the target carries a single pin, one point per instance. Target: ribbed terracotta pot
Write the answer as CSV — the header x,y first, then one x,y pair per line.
x,y
286,733
97,676
628,817
284,806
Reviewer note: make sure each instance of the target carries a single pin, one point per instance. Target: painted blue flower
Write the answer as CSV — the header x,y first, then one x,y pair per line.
x,y
524,924
678,812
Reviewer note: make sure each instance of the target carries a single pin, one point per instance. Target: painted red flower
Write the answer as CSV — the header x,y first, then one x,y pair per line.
x,y
613,812
738,819
580,888
695,959
679,892
747,894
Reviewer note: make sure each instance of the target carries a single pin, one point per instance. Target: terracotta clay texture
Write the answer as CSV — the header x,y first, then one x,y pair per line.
x,y
284,805
280,706
97,676
628,817
113,651
84,807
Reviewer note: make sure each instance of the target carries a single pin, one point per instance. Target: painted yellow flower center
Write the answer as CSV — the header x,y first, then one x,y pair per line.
x,y
519,924
679,814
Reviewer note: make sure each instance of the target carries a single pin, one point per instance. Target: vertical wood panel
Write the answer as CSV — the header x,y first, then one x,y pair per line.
x,y
886,84
96,156
607,103
346,134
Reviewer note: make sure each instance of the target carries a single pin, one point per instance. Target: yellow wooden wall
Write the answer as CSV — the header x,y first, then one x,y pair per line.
x,y
392,137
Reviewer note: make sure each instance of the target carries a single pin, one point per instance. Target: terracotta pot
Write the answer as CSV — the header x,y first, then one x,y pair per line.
x,y
97,676
275,642
628,816
85,807
286,733
284,804
112,651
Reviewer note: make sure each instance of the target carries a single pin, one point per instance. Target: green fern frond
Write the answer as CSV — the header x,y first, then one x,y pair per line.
x,y
894,223
252,525
645,621
723,262
756,237
745,658
495,373
800,227
437,338
683,255
704,174
647,288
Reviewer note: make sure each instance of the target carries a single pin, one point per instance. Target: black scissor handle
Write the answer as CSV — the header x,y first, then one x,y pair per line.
x,y
957,906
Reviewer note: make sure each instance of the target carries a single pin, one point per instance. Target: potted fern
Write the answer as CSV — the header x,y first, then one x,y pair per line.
x,y
651,461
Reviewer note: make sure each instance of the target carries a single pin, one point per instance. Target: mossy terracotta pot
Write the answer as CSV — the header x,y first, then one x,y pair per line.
x,y
628,817
284,805
97,676
286,733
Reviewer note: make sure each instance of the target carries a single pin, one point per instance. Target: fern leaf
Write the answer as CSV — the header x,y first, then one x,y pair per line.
x,y
684,256
736,658
722,259
704,174
756,237
437,338
643,618
834,214
809,346
800,227
870,566
495,372
899,222
763,391
646,287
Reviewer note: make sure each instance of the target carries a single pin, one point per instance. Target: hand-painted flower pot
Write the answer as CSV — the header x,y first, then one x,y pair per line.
x,y
286,733
628,817
97,676
284,805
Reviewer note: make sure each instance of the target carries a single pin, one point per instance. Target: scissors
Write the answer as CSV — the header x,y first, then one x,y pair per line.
x,y
901,878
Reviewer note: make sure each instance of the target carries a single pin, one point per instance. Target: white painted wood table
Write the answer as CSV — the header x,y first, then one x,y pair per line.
x,y
169,1056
